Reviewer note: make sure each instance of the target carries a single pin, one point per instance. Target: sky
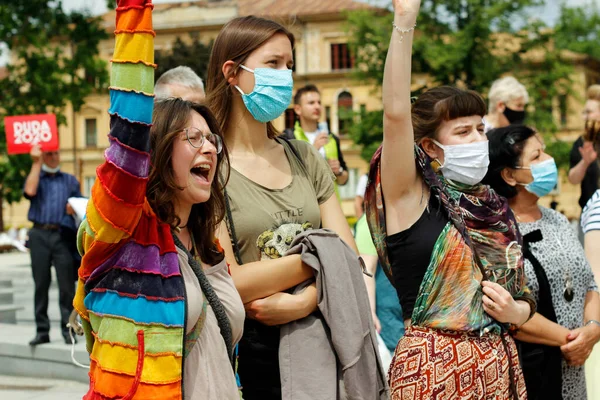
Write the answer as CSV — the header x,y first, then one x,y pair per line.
x,y
548,13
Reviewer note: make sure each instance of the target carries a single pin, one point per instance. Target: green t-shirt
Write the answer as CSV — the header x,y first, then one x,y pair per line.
x,y
363,239
266,221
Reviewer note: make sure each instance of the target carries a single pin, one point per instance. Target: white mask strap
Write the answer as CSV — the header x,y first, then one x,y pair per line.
x,y
239,90
246,68
441,146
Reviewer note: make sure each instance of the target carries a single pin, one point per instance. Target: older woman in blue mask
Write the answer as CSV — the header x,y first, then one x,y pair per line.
x,y
555,343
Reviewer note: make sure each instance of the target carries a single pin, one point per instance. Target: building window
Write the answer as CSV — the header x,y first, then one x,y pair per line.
x,y
344,113
564,109
341,59
328,116
290,118
87,185
90,132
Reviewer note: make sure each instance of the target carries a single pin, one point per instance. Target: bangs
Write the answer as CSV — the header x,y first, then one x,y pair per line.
x,y
462,104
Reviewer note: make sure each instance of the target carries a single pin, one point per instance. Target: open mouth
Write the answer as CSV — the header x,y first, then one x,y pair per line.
x,y
202,171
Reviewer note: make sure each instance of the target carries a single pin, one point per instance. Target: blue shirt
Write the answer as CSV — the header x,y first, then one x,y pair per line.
x,y
388,310
49,204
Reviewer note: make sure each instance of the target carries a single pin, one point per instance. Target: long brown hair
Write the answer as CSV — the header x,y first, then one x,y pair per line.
x,y
441,104
236,41
171,116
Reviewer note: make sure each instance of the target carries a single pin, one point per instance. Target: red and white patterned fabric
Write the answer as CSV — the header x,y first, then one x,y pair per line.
x,y
448,365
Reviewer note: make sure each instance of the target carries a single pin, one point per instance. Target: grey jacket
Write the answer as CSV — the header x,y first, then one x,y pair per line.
x,y
331,354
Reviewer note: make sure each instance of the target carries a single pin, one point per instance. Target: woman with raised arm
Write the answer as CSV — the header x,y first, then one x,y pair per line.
x,y
160,312
449,245
277,190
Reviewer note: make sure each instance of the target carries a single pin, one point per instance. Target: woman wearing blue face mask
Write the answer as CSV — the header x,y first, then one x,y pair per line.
x,y
448,243
556,341
276,190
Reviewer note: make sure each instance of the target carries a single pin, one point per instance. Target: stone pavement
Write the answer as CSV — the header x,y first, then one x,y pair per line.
x,y
16,388
17,358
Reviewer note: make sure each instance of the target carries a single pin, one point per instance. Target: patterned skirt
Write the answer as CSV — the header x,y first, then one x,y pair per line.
x,y
449,365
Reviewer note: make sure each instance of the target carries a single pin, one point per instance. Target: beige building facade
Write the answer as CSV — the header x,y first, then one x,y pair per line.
x,y
321,58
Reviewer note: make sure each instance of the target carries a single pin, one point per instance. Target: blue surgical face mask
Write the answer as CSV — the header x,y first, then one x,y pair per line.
x,y
545,177
49,170
272,93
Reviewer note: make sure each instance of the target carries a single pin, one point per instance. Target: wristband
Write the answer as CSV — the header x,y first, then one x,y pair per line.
x,y
592,321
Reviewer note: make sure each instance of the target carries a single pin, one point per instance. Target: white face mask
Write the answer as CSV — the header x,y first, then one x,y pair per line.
x,y
49,170
465,163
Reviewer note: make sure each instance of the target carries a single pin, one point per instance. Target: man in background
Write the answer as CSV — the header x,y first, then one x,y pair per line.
x,y
48,189
507,101
180,82
308,109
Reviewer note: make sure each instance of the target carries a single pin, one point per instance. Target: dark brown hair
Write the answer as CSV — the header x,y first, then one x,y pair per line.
x,y
171,116
440,104
310,88
506,150
236,41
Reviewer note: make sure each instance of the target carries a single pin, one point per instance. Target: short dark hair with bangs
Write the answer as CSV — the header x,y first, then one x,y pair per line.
x,y
440,104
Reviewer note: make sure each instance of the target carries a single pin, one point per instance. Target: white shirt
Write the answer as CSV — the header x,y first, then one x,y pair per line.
x,y
312,136
361,186
590,216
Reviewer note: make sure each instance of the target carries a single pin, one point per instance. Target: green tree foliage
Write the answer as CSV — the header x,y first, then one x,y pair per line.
x,y
192,53
468,43
54,60
578,30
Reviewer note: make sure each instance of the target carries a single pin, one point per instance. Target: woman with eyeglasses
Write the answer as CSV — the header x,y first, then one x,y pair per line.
x,y
160,312
559,338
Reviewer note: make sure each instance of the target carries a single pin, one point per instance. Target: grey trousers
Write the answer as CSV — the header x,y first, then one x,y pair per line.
x,y
49,248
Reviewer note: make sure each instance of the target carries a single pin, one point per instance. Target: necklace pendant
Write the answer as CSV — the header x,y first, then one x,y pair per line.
x,y
568,293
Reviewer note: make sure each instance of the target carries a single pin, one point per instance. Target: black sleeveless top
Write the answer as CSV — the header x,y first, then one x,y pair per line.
x,y
409,252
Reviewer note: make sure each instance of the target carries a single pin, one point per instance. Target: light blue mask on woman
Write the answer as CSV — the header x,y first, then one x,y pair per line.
x,y
545,177
272,93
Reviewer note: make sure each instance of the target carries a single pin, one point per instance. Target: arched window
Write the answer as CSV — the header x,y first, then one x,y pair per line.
x,y
344,112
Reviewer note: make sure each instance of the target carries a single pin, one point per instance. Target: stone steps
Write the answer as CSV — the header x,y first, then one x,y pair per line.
x,y
8,308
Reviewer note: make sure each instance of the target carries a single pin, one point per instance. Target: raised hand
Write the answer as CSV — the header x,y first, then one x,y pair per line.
x,y
406,7
588,153
321,140
36,153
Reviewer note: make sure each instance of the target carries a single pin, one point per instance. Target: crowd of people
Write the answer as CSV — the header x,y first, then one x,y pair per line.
x,y
217,262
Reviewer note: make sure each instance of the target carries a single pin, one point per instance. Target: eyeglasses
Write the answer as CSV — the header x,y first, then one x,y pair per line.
x,y
196,138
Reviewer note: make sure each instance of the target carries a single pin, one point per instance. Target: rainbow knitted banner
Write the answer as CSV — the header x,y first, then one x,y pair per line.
x,y
130,294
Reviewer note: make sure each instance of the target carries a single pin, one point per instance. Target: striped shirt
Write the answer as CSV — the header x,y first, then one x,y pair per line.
x,y
48,206
590,217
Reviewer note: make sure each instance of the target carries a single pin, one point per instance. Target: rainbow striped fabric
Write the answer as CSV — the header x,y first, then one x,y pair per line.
x,y
130,294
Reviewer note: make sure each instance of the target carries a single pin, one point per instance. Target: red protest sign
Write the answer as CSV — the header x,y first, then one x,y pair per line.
x,y
25,131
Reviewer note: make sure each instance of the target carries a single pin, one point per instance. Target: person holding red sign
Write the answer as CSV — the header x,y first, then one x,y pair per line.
x,y
48,189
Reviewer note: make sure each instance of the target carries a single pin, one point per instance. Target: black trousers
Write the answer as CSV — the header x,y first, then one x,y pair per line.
x,y
49,248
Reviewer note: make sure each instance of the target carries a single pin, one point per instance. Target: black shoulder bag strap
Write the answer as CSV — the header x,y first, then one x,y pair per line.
x,y
231,229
